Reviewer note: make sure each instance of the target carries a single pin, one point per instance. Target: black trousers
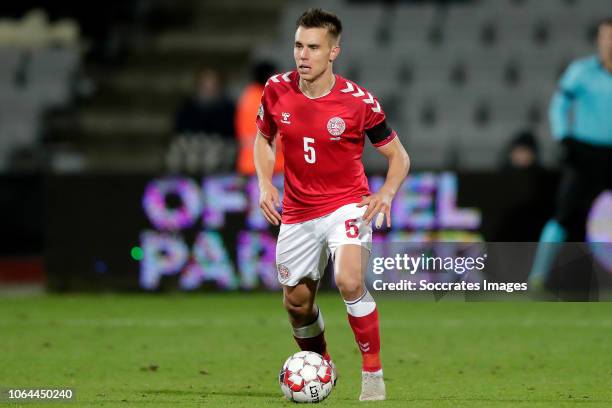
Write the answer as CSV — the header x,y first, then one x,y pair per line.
x,y
586,172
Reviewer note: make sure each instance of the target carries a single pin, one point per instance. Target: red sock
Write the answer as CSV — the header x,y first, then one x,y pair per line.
x,y
312,337
363,318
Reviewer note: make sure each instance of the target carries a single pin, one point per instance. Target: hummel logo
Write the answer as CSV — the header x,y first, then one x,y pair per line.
x,y
285,118
364,346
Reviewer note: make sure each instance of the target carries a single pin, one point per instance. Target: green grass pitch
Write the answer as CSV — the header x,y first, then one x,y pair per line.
x,y
216,350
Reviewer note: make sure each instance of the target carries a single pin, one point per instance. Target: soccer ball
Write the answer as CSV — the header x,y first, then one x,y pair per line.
x,y
306,377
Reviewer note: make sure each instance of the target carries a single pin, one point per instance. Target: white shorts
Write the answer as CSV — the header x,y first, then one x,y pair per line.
x,y
303,249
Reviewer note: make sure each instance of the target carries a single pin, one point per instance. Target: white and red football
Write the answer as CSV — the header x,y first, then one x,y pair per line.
x,y
306,377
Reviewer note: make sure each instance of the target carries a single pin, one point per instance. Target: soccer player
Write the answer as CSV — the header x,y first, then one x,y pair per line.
x,y
581,118
322,120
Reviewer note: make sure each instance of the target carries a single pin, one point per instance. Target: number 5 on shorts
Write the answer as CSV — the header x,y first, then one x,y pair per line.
x,y
352,231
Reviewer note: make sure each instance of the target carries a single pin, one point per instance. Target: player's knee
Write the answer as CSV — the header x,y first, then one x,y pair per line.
x,y
350,287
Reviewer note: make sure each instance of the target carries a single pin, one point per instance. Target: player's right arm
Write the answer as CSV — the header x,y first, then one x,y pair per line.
x,y
264,155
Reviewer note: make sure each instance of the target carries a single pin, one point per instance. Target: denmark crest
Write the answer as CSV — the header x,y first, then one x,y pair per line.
x,y
336,126
283,271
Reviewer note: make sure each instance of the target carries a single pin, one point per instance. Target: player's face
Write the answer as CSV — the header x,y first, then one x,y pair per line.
x,y
313,51
604,43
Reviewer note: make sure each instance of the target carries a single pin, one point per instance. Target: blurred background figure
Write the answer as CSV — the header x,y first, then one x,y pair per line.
x,y
246,111
523,218
522,152
581,118
208,110
203,126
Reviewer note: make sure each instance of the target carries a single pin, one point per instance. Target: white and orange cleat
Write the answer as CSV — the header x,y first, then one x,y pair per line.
x,y
372,386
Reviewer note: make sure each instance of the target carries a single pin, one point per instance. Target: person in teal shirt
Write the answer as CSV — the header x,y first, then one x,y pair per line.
x,y
581,119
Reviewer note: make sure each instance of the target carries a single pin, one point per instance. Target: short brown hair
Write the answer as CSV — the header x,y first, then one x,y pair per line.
x,y
318,18
605,21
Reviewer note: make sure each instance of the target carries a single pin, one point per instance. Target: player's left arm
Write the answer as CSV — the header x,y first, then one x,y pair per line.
x,y
399,164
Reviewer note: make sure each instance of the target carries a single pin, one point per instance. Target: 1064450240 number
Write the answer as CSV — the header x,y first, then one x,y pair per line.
x,y
12,394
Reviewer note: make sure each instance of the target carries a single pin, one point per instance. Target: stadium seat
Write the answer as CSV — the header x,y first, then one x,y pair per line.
x,y
411,25
10,58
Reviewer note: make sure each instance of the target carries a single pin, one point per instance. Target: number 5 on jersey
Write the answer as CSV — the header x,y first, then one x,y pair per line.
x,y
310,155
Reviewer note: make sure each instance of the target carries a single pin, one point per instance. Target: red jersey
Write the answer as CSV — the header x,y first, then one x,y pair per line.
x,y
322,142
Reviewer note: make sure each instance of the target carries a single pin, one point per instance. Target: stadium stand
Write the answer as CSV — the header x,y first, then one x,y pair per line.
x,y
38,61
460,77
126,125
457,78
